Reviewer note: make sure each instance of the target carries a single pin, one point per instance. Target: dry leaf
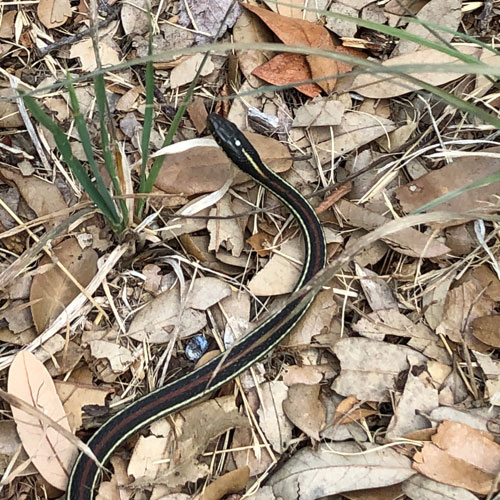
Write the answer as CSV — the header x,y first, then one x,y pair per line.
x,y
319,112
463,305
127,101
317,320
54,13
85,52
379,85
43,197
205,169
419,398
299,32
11,445
281,273
115,488
118,358
193,429
7,24
307,374
75,395
377,292
486,330
198,114
421,488
448,12
318,473
273,422
408,241
460,173
365,372
52,290
249,29
226,232
305,409
286,69
231,482
170,318
460,456
9,113
51,453
355,130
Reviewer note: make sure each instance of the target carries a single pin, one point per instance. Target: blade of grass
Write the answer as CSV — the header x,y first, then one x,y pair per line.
x,y
87,147
73,163
155,168
100,91
148,113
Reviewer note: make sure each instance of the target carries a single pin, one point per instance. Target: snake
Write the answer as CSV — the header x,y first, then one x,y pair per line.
x,y
205,379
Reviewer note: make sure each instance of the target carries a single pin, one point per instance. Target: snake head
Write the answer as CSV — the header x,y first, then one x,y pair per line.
x,y
232,142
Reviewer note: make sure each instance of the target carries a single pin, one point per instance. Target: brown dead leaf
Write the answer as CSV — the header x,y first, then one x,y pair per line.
x,y
51,453
43,197
281,273
377,291
365,372
272,419
54,13
317,320
51,290
348,411
74,396
182,441
355,130
110,359
9,113
319,112
206,169
305,409
460,456
115,488
408,241
419,398
249,29
231,482
449,14
11,445
306,374
85,52
487,329
299,32
286,69
458,174
421,488
170,319
393,492
228,233
487,279
381,85
322,472
463,305
7,24
127,101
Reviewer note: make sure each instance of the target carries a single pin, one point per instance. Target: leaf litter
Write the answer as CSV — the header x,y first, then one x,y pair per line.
x,y
389,385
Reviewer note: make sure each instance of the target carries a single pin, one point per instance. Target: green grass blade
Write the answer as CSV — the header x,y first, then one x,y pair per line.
x,y
148,114
102,105
73,163
87,147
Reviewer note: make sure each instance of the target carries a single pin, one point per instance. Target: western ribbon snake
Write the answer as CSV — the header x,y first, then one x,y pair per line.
x,y
249,349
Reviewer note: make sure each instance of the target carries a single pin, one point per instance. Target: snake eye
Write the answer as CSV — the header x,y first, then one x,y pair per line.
x,y
237,143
